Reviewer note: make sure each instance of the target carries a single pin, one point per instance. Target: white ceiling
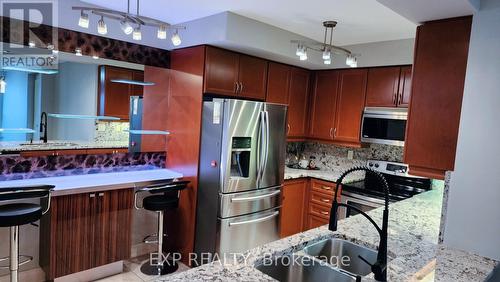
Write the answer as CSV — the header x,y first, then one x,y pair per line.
x,y
360,21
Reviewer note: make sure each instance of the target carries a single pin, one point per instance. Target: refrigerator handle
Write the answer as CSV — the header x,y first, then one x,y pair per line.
x,y
261,148
266,152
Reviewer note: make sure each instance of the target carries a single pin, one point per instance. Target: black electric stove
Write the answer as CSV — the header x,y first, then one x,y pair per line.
x,y
401,184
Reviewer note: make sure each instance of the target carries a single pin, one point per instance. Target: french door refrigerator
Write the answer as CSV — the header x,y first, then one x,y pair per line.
x,y
241,175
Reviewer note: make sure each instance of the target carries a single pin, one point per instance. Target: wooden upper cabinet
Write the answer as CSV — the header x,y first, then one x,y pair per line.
x,y
278,82
439,69
221,71
405,89
293,211
350,105
297,104
252,77
323,105
232,74
382,87
114,97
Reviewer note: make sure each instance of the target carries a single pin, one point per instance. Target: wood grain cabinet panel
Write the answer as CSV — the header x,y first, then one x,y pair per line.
x,y
323,105
114,97
278,83
350,105
315,221
297,104
293,202
405,88
84,231
439,69
382,87
221,71
252,78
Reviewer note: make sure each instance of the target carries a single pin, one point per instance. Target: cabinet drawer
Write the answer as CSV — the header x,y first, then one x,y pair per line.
x,y
319,210
323,187
321,198
315,221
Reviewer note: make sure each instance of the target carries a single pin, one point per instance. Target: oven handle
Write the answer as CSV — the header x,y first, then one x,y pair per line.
x,y
275,214
362,199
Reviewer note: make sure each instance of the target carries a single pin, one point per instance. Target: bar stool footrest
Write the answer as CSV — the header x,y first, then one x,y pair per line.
x,y
23,259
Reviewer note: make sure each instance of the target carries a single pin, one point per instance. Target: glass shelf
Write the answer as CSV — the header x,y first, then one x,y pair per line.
x,y
68,116
16,130
134,82
147,132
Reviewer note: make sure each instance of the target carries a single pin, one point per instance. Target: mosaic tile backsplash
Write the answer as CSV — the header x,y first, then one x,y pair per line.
x,y
331,157
16,167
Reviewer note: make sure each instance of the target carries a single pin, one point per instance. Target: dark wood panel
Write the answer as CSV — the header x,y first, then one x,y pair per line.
x,y
252,77
278,83
382,87
405,86
28,154
323,105
314,221
350,105
293,207
155,105
297,105
114,98
436,98
184,121
221,71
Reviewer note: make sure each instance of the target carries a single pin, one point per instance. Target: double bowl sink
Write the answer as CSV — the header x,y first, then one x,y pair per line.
x,y
329,260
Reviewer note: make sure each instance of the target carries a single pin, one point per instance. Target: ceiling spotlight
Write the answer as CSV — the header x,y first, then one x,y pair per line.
x,y
78,52
327,54
101,26
137,35
300,50
126,27
303,56
176,39
84,20
162,32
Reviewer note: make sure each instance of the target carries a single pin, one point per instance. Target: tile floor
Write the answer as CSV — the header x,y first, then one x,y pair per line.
x,y
132,272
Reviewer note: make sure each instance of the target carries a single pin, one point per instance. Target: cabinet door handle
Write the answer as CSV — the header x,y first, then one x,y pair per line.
x,y
101,194
331,132
288,129
400,100
335,132
92,195
325,200
324,212
241,87
236,87
326,188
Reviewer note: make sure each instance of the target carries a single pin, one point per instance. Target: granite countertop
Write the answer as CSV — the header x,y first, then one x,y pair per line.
x,y
327,175
84,183
16,146
412,245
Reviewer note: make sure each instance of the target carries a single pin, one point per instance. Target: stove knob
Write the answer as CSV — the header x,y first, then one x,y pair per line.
x,y
376,165
370,164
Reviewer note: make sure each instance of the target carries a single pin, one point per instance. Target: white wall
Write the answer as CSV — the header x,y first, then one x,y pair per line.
x,y
473,212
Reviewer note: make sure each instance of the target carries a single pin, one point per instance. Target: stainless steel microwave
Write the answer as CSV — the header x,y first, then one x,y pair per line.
x,y
384,125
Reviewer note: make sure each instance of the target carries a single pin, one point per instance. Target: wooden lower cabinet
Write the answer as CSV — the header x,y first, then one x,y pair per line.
x,y
293,207
84,231
315,221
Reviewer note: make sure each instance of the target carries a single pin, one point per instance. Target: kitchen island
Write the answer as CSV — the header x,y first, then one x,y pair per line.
x,y
413,249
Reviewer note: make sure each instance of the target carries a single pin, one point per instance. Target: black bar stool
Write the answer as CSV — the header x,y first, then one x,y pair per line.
x,y
163,197
16,214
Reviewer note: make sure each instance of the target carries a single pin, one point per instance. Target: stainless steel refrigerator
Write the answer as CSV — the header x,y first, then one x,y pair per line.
x,y
241,175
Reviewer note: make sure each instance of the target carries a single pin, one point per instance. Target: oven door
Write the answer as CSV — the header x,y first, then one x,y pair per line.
x,y
383,128
362,202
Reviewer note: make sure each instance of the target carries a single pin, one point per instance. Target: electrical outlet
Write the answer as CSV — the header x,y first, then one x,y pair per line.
x,y
350,154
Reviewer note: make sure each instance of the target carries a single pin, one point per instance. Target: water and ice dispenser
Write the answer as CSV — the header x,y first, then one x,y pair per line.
x,y
240,156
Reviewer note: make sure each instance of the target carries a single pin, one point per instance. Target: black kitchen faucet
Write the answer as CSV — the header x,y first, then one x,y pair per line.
x,y
379,268
43,127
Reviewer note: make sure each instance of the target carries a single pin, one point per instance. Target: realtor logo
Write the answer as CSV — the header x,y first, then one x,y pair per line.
x,y
28,41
